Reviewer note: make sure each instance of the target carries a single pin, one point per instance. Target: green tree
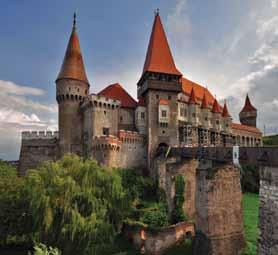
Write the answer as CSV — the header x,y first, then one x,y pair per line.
x,y
15,217
77,205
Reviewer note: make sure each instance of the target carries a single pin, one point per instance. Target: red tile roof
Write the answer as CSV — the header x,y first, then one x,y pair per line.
x,y
192,99
73,66
248,107
241,127
117,92
164,102
216,107
199,90
159,57
205,104
225,112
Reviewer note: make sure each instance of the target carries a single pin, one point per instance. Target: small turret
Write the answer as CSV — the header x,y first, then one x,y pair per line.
x,y
194,108
71,87
248,115
216,115
227,119
206,113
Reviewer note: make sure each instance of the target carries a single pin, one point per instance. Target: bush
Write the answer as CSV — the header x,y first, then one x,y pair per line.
x,y
250,179
41,249
178,214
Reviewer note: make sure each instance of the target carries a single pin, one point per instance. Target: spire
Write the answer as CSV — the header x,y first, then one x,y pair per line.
x,y
159,57
73,65
225,112
205,104
192,99
216,107
248,107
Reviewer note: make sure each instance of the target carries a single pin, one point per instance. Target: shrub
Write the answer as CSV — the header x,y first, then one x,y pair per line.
x,y
41,249
178,214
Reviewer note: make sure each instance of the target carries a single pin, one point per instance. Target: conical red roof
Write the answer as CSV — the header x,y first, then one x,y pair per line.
x,y
192,99
159,57
73,65
216,107
205,104
117,92
248,107
225,112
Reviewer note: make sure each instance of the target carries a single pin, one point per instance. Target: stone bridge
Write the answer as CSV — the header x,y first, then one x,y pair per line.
x,y
213,194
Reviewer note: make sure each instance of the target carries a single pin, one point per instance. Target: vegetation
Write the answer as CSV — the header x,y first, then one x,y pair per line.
x,y
41,249
251,216
178,214
270,140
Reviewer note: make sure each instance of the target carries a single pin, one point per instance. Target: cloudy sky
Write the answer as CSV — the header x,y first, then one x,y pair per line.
x,y
229,46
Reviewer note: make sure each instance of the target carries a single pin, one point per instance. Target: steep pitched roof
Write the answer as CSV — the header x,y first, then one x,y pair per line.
x,y
216,107
205,104
73,66
225,112
248,107
117,92
187,86
192,99
159,57
241,127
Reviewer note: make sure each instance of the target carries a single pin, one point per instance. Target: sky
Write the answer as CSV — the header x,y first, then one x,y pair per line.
x,y
231,47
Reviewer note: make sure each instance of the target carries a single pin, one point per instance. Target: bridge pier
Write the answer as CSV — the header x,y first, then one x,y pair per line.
x,y
268,212
219,220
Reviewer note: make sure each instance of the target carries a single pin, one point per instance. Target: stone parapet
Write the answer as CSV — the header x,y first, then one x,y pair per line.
x,y
130,137
100,101
30,135
106,142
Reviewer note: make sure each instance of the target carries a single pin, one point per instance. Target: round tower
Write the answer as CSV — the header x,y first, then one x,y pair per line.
x,y
248,115
71,87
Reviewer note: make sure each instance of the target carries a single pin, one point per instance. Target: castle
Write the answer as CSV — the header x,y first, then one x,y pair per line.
x,y
116,130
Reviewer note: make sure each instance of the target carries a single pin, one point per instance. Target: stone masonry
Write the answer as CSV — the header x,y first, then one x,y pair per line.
x,y
219,222
268,212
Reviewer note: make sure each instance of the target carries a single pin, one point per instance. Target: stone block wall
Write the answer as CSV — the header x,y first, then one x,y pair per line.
x,y
268,212
37,147
219,221
156,243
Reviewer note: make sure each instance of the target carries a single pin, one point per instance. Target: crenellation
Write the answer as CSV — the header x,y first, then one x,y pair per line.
x,y
29,135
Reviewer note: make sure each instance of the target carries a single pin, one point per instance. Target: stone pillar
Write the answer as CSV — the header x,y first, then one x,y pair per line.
x,y
219,220
268,212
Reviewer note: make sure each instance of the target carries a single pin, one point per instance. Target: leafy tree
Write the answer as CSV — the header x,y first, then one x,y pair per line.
x,y
77,205
15,217
178,214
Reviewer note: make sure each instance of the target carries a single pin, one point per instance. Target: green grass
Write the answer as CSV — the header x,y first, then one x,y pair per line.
x,y
271,140
251,217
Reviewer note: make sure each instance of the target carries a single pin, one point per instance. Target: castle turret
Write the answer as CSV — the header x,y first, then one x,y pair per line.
x,y
206,113
248,115
227,119
193,109
159,86
71,87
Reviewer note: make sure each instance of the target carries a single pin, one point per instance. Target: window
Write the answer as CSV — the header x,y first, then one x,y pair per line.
x,y
142,115
217,122
206,118
169,97
163,125
105,131
104,112
164,113
157,96
194,115
121,118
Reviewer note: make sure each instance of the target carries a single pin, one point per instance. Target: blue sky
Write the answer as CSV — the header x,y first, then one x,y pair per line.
x,y
229,46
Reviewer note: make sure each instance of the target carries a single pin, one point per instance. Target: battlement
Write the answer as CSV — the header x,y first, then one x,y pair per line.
x,y
100,101
130,137
107,142
30,135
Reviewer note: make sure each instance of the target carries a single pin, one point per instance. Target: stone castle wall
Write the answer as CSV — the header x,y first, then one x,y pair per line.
x,y
219,224
36,148
268,212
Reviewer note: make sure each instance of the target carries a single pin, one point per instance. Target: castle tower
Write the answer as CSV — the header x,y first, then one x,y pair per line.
x,y
226,125
71,87
248,115
159,86
216,123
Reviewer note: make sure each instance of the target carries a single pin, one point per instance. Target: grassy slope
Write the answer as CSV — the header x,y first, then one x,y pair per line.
x,y
250,213
270,140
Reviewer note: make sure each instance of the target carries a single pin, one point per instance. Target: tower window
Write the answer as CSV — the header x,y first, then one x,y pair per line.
x,y
169,97
164,113
121,118
104,112
142,115
105,131
157,96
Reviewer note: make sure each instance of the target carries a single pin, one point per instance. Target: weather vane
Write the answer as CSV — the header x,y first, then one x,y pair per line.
x,y
156,12
74,20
